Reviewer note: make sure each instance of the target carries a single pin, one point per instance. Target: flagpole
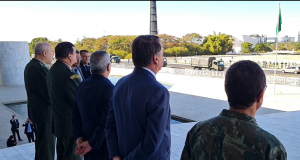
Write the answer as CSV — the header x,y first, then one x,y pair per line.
x,y
276,51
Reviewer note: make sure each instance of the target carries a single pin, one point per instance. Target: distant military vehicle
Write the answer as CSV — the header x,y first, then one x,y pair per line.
x,y
210,63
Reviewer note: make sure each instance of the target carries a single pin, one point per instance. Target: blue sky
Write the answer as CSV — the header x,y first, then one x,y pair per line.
x,y
23,21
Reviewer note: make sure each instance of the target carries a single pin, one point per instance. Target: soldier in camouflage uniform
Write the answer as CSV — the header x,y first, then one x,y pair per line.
x,y
62,82
39,108
234,134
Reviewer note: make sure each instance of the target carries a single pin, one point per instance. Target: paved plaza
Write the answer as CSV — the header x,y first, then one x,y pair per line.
x,y
195,98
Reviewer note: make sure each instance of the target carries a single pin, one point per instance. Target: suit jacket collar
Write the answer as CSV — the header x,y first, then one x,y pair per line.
x,y
143,71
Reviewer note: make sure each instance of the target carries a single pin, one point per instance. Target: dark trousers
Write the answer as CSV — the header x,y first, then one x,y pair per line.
x,y
65,149
30,136
96,155
44,142
14,134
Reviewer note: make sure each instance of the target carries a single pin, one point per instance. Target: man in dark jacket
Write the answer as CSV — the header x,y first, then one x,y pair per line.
x,y
62,82
138,123
84,64
15,127
39,108
91,107
29,130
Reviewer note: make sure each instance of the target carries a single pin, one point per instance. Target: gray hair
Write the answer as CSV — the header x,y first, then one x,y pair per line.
x,y
41,47
99,61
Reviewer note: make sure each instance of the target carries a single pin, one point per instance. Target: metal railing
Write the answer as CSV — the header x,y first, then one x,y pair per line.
x,y
291,81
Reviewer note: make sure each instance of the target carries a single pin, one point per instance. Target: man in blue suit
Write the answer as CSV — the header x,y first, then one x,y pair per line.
x,y
91,107
138,123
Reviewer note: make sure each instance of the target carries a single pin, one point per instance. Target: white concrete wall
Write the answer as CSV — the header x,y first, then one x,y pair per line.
x,y
14,56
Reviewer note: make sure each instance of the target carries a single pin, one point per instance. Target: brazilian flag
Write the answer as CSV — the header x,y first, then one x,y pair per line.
x,y
278,27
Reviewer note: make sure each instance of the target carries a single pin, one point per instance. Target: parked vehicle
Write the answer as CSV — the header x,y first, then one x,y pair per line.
x,y
210,63
115,59
165,62
254,53
295,70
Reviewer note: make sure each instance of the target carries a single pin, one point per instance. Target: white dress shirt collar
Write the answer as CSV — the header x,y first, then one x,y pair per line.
x,y
150,71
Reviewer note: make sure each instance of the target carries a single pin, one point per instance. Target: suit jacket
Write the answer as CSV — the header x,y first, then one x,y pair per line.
x,y
39,108
62,82
90,111
26,127
86,72
138,123
14,124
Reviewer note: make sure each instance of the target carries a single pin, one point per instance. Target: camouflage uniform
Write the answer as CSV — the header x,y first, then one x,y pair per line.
x,y
231,135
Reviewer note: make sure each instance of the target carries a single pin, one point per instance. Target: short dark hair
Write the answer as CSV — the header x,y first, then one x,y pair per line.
x,y
77,52
83,51
63,49
143,49
244,81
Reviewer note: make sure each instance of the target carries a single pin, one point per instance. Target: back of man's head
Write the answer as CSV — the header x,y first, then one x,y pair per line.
x,y
144,47
244,81
99,61
41,47
63,49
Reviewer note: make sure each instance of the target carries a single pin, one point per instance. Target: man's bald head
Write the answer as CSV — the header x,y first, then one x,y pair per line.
x,y
41,47
44,52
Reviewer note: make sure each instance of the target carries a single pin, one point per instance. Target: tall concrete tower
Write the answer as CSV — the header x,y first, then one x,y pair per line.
x,y
153,18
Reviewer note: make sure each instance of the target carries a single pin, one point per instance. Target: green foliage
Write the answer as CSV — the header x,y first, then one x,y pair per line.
x,y
262,48
246,47
35,41
217,44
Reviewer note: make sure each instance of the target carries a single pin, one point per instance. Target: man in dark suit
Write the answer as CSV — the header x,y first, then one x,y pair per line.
x,y
138,123
15,127
76,66
84,64
91,107
62,82
29,130
39,108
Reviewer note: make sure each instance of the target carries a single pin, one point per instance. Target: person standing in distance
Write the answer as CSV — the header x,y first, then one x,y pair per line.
x,y
85,64
138,123
15,127
62,82
90,110
234,134
39,107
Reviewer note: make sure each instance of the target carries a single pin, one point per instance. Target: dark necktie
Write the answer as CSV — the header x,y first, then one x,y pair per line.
x,y
75,70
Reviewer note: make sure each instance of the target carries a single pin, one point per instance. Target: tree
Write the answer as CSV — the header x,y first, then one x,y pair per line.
x,y
168,41
217,44
194,38
246,47
262,47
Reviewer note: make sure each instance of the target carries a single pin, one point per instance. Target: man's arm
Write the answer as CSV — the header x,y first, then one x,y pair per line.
x,y
186,152
99,135
76,122
158,116
111,133
40,80
70,88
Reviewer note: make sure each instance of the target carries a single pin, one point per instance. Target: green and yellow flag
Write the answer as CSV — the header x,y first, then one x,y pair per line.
x,y
278,27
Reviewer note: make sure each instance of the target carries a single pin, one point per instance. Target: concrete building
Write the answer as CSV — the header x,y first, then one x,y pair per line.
x,y
237,46
299,36
286,39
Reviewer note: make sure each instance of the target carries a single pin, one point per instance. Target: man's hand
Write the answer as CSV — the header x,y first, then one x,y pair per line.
x,y
83,148
79,141
117,158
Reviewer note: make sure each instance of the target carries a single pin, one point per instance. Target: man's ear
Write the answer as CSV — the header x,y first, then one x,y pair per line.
x,y
44,53
155,59
108,67
260,96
